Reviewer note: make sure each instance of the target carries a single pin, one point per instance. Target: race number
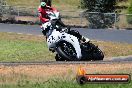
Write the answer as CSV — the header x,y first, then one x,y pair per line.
x,y
51,39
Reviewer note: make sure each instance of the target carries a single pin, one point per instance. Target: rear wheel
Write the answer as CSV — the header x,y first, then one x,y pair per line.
x,y
97,54
92,52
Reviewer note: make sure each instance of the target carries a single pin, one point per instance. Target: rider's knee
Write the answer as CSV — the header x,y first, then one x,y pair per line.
x,y
76,33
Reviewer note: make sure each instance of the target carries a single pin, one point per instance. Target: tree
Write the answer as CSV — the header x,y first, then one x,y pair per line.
x,y
0,8
129,17
2,2
98,19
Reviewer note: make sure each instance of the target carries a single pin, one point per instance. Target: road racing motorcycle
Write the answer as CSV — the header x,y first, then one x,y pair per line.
x,y
66,46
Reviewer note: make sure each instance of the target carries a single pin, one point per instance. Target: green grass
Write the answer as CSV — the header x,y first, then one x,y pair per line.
x,y
64,84
23,50
59,4
67,4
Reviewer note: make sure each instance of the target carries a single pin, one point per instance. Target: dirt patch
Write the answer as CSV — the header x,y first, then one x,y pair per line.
x,y
47,71
27,18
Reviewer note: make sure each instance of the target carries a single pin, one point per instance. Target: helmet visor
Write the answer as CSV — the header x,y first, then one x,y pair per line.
x,y
43,4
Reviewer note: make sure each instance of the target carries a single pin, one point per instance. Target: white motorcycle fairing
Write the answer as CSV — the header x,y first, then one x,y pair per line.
x,y
57,36
53,15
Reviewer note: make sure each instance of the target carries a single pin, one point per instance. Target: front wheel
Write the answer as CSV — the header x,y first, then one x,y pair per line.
x,y
59,58
67,51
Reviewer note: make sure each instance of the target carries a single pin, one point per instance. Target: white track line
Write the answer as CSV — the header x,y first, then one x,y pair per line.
x,y
25,34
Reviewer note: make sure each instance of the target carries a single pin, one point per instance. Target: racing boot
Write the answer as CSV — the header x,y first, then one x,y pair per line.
x,y
84,39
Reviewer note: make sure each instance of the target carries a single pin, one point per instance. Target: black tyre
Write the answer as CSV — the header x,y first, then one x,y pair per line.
x,y
93,52
59,58
97,54
67,51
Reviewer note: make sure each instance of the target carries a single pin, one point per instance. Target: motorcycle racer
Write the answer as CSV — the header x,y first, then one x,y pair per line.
x,y
43,15
42,12
44,18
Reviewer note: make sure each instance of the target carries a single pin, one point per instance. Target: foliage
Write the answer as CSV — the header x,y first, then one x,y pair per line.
x,y
103,6
0,8
129,17
99,19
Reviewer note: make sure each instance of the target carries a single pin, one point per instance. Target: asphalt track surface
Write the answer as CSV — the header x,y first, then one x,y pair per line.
x,y
123,36
63,63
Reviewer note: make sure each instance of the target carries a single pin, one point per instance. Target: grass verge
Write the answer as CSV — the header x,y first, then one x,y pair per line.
x,y
16,47
60,4
58,76
64,84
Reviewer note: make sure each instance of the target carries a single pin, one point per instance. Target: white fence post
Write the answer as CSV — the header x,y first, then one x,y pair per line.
x,y
81,19
115,21
18,12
